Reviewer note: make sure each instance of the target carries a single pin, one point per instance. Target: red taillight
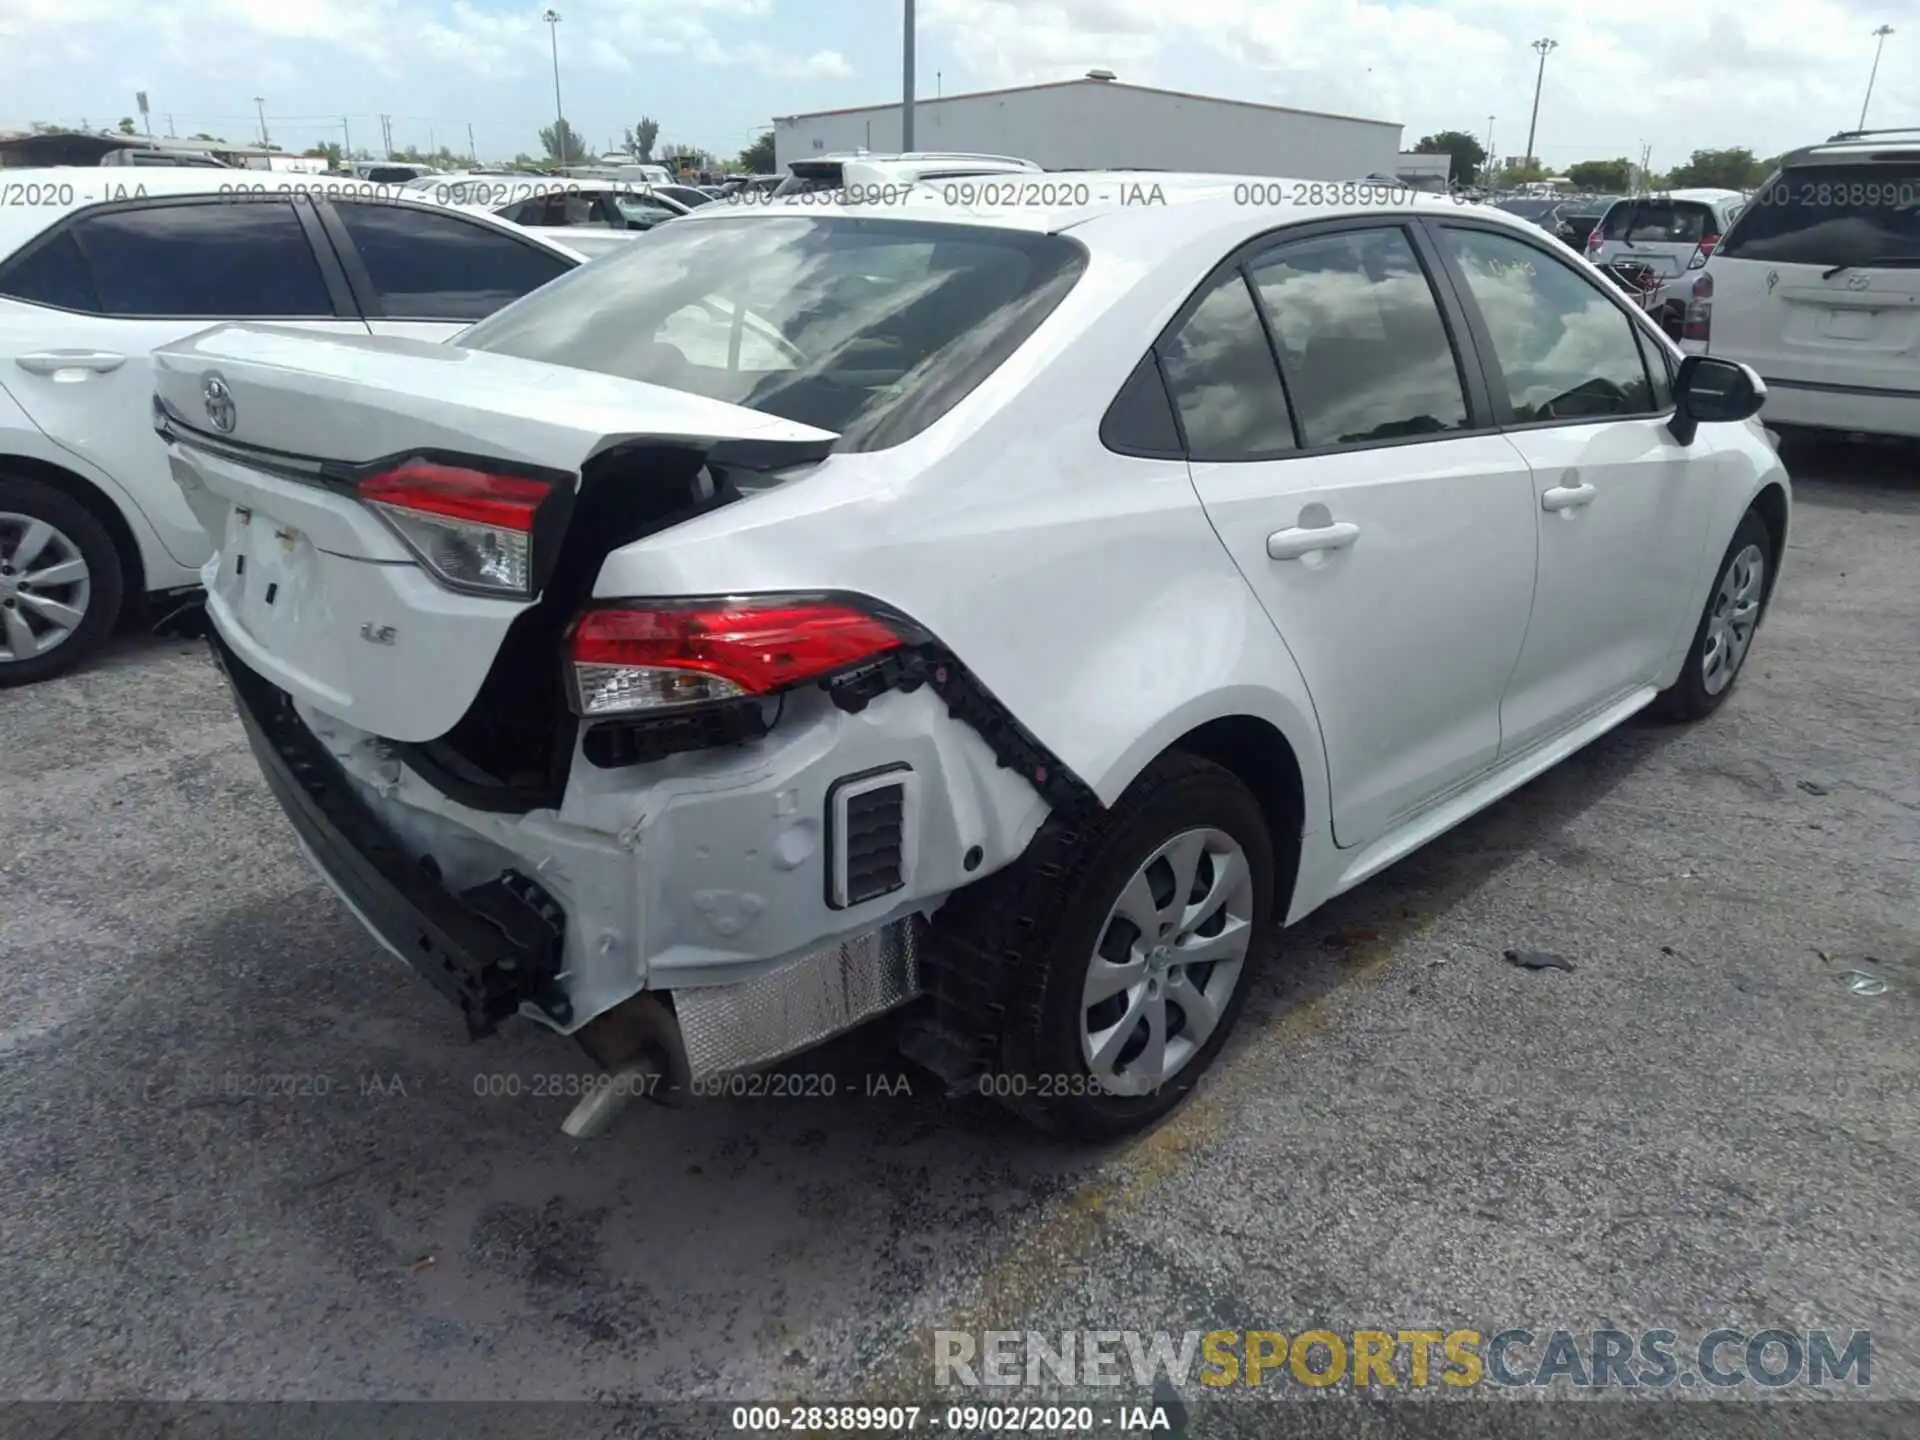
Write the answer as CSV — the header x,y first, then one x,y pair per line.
x,y
649,658
471,528
1698,324
1704,253
506,502
1595,240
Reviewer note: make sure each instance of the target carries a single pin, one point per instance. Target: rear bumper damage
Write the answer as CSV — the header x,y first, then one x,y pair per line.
x,y
700,887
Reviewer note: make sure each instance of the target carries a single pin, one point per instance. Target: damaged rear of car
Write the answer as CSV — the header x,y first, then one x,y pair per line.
x,y
558,777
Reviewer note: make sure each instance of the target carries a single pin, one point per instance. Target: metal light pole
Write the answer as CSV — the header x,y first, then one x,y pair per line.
x,y
1543,46
552,17
261,105
906,83
1881,44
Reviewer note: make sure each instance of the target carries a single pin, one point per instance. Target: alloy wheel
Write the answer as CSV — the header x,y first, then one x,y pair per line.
x,y
44,587
1168,958
1735,613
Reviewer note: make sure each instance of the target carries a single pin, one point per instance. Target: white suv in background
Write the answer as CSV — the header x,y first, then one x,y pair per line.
x,y
100,266
1817,287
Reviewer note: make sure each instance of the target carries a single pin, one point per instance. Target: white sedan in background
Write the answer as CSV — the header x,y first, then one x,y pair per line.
x,y
1007,611
100,265
597,215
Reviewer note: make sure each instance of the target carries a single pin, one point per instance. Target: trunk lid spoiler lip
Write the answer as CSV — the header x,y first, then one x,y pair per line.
x,y
724,452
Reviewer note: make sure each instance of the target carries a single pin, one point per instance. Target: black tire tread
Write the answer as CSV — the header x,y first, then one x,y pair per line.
x,y
1003,927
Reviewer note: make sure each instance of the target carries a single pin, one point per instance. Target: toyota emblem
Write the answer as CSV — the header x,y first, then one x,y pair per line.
x,y
1858,282
220,408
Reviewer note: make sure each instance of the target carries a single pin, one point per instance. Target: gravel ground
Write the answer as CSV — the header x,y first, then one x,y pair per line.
x,y
1698,1125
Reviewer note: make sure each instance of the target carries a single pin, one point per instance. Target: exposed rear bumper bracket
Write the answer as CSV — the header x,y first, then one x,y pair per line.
x,y
488,949
973,705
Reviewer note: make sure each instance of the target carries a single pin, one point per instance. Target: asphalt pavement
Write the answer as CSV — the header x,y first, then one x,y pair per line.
x,y
245,1155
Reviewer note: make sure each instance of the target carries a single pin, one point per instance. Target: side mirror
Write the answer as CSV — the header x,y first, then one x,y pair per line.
x,y
1709,390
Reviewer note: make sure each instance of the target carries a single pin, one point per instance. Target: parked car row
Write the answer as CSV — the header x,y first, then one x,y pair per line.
x,y
93,280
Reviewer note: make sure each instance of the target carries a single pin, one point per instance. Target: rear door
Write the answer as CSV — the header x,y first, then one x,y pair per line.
x,y
1621,518
1818,282
430,273
1385,526
84,305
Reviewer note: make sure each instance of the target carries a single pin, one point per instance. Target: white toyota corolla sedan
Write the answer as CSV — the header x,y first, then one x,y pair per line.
x,y
1005,604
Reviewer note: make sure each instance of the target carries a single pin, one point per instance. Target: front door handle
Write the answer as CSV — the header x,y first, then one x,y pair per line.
x,y
1567,497
1306,540
51,362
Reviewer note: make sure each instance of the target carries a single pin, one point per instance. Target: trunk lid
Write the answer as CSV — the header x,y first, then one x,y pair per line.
x,y
270,428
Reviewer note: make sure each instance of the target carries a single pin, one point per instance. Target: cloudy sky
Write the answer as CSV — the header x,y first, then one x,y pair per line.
x,y
1767,74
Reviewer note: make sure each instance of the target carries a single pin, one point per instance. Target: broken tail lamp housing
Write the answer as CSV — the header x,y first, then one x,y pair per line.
x,y
472,529
638,658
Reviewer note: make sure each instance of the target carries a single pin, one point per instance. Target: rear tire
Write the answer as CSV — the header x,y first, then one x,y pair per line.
x,y
61,582
1187,850
1724,637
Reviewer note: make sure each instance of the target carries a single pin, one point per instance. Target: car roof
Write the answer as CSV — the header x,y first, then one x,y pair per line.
x,y
79,187
1903,144
1193,204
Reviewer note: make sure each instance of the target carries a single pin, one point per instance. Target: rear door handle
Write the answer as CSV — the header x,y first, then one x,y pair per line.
x,y
49,362
1567,497
1299,541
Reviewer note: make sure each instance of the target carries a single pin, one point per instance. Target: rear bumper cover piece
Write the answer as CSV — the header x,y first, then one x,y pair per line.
x,y
489,949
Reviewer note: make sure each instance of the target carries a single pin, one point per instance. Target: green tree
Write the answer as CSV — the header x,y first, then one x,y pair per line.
x,y
563,143
126,126
330,152
1734,169
1519,170
1468,154
685,157
641,137
1607,177
202,135
757,158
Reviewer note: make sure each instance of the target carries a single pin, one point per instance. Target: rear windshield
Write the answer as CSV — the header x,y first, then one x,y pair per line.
x,y
872,328
1655,222
1533,210
806,179
1832,215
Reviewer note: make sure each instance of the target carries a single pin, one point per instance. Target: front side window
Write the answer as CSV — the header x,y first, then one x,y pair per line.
x,y
1225,386
428,265
1833,215
1361,340
205,261
1563,349
869,328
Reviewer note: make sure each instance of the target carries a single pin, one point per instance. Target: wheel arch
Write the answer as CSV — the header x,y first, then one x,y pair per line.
x,y
1774,509
101,506
1259,754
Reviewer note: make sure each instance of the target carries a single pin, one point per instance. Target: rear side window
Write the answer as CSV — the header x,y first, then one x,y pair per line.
x,y
209,261
1659,222
1225,385
52,273
1361,340
430,266
1832,215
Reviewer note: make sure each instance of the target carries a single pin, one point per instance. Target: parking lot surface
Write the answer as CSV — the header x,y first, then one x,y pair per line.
x,y
247,1155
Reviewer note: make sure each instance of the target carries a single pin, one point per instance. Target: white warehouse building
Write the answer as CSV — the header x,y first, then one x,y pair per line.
x,y
1096,123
